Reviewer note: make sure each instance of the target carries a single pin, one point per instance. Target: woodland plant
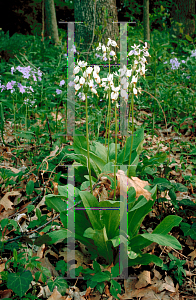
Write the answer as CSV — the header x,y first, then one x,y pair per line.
x,y
98,228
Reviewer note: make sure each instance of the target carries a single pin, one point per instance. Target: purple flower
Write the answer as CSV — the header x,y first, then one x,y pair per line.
x,y
71,83
105,58
175,63
21,88
58,91
12,70
65,55
188,77
3,88
34,78
97,55
165,62
31,89
62,82
183,61
9,86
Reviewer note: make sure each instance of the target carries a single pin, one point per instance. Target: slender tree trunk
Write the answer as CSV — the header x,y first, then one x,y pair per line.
x,y
183,11
51,29
97,17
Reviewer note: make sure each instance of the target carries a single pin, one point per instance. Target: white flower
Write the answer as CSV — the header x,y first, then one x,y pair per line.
x,y
111,42
110,77
76,79
76,69
129,73
82,64
77,87
124,94
112,53
96,69
135,91
123,70
94,91
82,80
115,89
103,48
85,74
89,70
123,80
99,47
90,83
95,75
98,80
134,80
114,96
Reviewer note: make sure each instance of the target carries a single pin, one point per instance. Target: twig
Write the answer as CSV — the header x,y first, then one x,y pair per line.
x,y
40,227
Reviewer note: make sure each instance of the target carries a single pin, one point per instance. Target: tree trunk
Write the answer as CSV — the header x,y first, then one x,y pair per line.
x,y
182,12
97,17
51,29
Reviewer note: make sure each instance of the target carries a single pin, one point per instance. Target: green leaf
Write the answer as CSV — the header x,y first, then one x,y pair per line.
x,y
189,38
163,239
61,266
57,236
145,259
61,284
101,276
136,216
89,201
115,288
30,187
56,203
115,270
167,224
19,282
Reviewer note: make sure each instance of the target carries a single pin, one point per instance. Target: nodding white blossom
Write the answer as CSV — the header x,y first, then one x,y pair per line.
x,y
96,69
76,79
77,87
114,96
82,80
98,80
123,80
115,89
124,94
90,83
95,75
129,72
89,70
85,74
112,53
134,80
94,91
135,91
76,70
111,42
82,64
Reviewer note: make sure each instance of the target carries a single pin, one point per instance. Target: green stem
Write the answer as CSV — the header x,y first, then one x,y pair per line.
x,y
126,136
87,141
132,133
116,129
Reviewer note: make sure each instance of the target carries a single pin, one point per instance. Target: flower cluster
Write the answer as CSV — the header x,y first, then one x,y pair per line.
x,y
175,63
27,72
127,78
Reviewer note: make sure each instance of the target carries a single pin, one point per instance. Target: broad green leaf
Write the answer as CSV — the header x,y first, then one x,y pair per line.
x,y
167,224
115,288
89,201
56,203
110,217
19,282
118,239
145,259
163,239
135,217
100,150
